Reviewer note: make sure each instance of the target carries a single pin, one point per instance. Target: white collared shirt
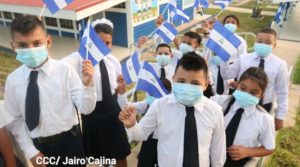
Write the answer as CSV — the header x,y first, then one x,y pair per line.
x,y
167,117
60,89
276,70
113,67
169,69
5,118
256,127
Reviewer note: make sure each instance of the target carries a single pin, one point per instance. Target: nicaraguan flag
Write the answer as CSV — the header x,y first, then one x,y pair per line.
x,y
172,6
131,68
203,3
222,3
167,32
97,49
180,15
223,42
56,5
150,82
278,16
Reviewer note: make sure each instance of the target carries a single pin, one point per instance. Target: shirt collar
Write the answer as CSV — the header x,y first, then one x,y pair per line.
x,y
45,68
199,104
248,110
266,58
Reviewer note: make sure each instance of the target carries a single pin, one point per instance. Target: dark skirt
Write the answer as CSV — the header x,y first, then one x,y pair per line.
x,y
104,134
148,154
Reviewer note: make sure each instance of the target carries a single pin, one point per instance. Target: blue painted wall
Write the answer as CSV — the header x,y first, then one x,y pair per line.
x,y
143,29
120,37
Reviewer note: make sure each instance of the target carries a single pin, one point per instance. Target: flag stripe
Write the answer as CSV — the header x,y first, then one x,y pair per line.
x,y
61,3
219,28
146,75
126,74
220,51
130,68
167,32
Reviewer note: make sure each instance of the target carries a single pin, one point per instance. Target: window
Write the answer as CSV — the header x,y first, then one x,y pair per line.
x,y
68,24
51,21
18,14
7,15
121,6
0,14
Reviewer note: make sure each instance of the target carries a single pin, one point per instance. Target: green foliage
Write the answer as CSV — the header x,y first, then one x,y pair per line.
x,y
296,73
288,147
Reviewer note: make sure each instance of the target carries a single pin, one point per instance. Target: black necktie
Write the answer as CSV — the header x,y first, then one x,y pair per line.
x,y
190,153
233,126
220,83
162,73
261,63
32,103
106,92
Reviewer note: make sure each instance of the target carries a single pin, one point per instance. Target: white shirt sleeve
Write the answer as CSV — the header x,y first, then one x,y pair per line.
x,y
18,126
83,97
282,90
230,71
141,131
267,135
218,155
5,118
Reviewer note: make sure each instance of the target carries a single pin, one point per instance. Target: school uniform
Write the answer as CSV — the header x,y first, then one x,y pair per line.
x,y
103,132
47,122
255,127
177,55
5,118
278,81
181,141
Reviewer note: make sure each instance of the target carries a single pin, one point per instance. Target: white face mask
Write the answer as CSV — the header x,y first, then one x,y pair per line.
x,y
184,48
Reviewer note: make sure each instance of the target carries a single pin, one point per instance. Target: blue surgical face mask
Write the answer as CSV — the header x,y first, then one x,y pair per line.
x,y
245,99
32,57
184,48
163,59
216,60
150,100
187,94
262,50
231,27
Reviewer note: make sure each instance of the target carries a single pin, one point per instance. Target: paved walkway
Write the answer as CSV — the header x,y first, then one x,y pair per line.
x,y
243,10
290,28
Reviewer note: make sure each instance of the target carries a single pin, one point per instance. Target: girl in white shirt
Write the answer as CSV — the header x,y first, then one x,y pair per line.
x,y
250,130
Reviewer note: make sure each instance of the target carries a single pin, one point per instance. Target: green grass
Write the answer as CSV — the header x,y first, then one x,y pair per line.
x,y
265,6
248,24
287,147
296,73
8,63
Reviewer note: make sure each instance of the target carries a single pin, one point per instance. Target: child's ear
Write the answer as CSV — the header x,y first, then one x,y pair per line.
x,y
49,41
275,44
207,82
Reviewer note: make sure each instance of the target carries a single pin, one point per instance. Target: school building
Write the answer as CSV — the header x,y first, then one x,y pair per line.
x,y
131,18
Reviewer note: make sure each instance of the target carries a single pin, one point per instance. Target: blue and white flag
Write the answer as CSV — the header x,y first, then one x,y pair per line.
x,y
167,32
172,6
222,3
203,3
131,68
278,16
97,49
56,5
223,42
180,15
150,82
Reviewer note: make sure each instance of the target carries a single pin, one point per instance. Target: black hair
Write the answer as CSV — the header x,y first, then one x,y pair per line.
x,y
232,16
167,84
104,28
163,45
257,75
191,61
268,31
194,35
25,24
209,91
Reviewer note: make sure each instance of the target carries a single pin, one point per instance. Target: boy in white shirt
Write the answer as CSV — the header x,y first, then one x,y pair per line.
x,y
190,127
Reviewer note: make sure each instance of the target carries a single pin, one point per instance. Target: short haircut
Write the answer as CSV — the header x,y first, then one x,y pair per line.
x,y
194,35
104,28
268,31
191,61
162,45
232,16
25,24
257,75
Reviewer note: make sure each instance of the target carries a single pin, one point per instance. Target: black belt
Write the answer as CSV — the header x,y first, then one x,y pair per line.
x,y
74,131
